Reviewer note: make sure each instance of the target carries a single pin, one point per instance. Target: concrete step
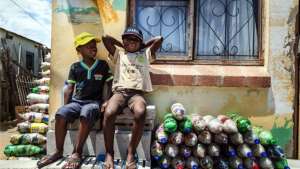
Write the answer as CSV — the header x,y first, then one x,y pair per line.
x,y
95,144
88,163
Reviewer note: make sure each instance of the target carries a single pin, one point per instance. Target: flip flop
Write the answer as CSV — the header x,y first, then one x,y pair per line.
x,y
107,166
71,161
46,160
131,165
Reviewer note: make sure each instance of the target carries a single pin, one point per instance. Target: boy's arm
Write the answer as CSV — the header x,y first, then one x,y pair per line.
x,y
68,93
110,44
154,44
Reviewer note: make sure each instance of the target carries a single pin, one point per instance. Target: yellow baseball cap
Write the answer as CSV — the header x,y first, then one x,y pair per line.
x,y
84,38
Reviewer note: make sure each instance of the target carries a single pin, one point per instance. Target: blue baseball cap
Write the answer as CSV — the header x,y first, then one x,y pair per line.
x,y
133,31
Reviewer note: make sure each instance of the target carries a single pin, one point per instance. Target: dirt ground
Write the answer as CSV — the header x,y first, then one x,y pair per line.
x,y
6,130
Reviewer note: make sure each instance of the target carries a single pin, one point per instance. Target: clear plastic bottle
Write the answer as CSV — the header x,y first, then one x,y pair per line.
x,y
265,163
214,150
221,138
206,163
192,163
205,137
199,151
259,150
244,151
236,139
171,150
236,163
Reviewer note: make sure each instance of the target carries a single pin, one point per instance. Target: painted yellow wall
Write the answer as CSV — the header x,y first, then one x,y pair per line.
x,y
271,108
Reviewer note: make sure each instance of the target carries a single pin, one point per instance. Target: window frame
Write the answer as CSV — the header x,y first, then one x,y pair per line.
x,y
191,46
29,55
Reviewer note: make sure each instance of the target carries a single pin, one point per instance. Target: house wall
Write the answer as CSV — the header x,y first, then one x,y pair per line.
x,y
271,107
26,45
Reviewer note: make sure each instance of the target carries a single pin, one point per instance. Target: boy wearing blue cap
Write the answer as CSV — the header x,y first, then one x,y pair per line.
x,y
89,76
131,81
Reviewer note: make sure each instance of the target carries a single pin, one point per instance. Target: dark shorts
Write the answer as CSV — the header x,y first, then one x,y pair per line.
x,y
80,109
127,97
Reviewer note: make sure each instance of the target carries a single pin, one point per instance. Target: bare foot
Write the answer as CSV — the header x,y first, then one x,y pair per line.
x,y
49,159
109,161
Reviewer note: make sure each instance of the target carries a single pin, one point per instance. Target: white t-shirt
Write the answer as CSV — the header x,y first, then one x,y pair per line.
x,y
132,70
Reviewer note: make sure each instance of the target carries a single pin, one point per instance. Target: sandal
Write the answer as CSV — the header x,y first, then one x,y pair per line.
x,y
131,165
107,166
46,160
73,163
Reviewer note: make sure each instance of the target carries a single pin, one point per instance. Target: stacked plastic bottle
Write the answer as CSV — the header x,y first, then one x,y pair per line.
x,y
31,140
207,142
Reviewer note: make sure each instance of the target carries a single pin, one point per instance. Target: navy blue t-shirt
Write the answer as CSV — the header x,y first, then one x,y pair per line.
x,y
89,81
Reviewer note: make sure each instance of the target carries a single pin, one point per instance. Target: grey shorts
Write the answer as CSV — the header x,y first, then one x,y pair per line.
x,y
80,109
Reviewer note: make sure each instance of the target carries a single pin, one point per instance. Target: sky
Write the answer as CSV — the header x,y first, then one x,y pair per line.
x,y
29,18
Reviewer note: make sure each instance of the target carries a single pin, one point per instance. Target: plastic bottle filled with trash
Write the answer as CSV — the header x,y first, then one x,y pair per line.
x,y
176,138
251,138
281,164
43,81
206,163
221,138
190,139
185,151
199,151
215,126
259,151
157,150
229,151
161,135
266,138
28,138
236,163
220,163
208,118
205,137
186,126
38,128
171,150
244,151
275,152
236,138
178,163
229,126
198,123
170,124
178,111
33,98
22,150
40,107
249,163
192,163
214,150
24,127
35,117
243,124
266,163
165,162
40,89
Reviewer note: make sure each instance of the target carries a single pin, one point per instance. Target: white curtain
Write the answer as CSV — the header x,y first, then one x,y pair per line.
x,y
227,29
165,18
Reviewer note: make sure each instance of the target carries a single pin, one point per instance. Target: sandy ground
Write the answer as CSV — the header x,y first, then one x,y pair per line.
x,y
6,130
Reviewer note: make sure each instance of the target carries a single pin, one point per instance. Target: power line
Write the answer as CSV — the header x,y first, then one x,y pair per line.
x,y
29,14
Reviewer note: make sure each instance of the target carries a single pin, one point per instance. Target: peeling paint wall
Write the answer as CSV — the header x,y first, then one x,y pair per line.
x,y
271,108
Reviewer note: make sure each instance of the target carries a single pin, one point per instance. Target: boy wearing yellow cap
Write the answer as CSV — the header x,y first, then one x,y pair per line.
x,y
89,76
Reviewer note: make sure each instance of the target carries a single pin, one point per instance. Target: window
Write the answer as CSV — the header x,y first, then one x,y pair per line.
x,y
201,31
30,61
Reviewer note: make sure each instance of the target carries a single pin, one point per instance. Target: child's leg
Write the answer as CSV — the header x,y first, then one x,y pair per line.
x,y
110,114
89,115
137,104
65,114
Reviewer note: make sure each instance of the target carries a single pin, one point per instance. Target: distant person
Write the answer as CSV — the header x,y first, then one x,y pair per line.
x,y
131,81
89,76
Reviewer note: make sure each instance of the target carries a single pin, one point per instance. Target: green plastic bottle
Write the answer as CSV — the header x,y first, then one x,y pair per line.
x,y
22,150
170,124
35,90
186,125
281,164
243,124
266,138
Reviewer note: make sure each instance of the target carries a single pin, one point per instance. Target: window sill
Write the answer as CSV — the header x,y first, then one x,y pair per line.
x,y
210,75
